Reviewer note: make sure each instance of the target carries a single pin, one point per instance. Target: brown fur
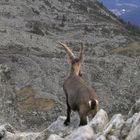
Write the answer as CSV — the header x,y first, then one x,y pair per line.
x,y
78,93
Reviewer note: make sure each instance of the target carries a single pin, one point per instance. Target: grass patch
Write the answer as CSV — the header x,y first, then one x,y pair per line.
x,y
133,49
27,102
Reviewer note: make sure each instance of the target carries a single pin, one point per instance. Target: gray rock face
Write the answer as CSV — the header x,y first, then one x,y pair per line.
x,y
82,133
118,128
33,68
130,125
7,132
99,121
55,137
135,134
135,108
59,128
101,137
115,125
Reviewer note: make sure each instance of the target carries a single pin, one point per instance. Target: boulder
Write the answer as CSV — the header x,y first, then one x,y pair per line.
x,y
134,134
6,128
99,121
54,137
101,137
60,129
114,126
130,125
82,133
135,108
112,138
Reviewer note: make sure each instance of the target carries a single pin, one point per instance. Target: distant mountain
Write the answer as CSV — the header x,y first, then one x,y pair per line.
x,y
133,16
127,10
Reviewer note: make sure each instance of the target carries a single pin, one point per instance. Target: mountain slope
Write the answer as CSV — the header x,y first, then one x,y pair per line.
x,y
33,68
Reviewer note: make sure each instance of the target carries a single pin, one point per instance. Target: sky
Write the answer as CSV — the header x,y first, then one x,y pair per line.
x,y
129,10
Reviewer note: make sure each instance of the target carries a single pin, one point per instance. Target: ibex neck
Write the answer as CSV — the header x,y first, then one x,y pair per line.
x,y
74,72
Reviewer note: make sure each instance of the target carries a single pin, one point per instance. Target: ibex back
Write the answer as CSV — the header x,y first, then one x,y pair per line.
x,y
79,96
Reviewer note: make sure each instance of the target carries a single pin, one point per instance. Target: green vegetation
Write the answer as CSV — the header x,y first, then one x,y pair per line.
x,y
133,29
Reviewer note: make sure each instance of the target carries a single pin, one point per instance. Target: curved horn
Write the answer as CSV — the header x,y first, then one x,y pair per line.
x,y
68,50
81,51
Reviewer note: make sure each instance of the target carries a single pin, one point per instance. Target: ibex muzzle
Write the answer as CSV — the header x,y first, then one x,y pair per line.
x,y
79,96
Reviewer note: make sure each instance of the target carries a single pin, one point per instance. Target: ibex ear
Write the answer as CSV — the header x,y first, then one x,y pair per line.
x,y
81,52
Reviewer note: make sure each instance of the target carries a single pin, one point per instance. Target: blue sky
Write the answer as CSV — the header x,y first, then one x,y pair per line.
x,y
129,10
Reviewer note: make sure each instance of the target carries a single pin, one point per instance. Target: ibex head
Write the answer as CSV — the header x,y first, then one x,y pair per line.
x,y
75,62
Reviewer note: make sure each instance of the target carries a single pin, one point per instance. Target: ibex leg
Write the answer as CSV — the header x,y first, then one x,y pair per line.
x,y
83,115
67,121
83,120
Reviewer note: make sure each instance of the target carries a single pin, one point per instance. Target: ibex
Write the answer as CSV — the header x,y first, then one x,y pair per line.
x,y
79,96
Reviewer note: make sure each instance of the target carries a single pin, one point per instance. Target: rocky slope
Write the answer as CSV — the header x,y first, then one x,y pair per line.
x,y
119,127
33,68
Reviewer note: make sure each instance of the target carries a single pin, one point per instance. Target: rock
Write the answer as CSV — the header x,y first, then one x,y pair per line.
x,y
9,136
27,135
82,133
55,137
6,128
114,126
20,136
134,134
130,125
135,108
97,129
101,137
31,88
2,134
99,121
60,129
112,138
7,132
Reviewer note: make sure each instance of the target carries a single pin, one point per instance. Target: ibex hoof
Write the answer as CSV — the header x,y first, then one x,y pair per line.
x,y
66,123
82,123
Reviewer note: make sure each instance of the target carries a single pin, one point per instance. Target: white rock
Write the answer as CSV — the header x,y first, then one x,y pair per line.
x,y
82,133
27,135
6,128
135,108
55,137
60,129
10,136
112,138
130,124
101,137
7,132
114,126
99,121
134,134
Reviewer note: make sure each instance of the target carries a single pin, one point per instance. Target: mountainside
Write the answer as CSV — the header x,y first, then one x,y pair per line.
x,y
119,127
33,67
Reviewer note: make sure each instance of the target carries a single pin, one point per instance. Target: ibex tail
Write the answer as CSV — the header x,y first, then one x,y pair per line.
x,y
93,104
